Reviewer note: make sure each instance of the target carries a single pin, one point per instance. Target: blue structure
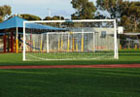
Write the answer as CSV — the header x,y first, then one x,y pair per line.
x,y
18,22
12,23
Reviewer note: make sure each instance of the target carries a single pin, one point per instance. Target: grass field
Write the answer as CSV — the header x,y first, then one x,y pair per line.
x,y
70,83
125,57
84,82
70,55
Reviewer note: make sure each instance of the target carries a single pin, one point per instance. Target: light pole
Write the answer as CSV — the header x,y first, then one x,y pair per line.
x,y
49,12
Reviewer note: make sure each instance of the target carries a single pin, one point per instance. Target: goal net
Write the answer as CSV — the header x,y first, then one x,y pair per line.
x,y
70,40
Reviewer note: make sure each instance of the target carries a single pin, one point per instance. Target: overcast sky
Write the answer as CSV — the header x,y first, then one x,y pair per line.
x,y
40,7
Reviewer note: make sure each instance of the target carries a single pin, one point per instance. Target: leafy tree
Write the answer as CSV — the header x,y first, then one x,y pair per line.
x,y
128,13
47,18
99,16
29,17
84,9
1,19
131,16
114,7
5,11
134,11
58,18
54,18
126,23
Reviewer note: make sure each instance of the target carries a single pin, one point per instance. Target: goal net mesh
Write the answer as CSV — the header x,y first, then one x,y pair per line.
x,y
69,40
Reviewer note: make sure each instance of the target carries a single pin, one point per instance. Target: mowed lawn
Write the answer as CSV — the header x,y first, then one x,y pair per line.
x,y
84,82
125,57
70,83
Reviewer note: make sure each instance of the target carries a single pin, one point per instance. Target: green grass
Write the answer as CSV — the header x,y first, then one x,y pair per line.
x,y
125,57
70,55
70,83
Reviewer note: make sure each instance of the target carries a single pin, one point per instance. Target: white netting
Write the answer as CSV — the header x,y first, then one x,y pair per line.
x,y
69,40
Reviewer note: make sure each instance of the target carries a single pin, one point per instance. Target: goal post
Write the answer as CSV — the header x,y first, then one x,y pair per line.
x,y
70,40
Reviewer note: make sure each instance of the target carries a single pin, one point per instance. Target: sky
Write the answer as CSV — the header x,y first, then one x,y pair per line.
x,y
41,8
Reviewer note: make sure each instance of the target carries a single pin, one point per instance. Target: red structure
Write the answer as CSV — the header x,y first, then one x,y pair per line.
x,y
12,42
4,42
6,45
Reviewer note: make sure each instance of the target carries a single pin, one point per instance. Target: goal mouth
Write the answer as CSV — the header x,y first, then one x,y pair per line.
x,y
75,40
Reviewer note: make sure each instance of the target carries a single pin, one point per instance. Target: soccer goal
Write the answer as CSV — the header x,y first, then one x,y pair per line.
x,y
70,40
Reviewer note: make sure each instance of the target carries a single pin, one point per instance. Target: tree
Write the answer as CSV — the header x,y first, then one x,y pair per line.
x,y
99,16
47,18
58,18
126,23
134,11
29,17
127,12
131,16
84,9
114,7
1,19
5,11
54,18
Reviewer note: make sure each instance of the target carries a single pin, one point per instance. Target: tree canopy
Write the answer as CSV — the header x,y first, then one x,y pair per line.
x,y
114,7
54,18
130,17
84,9
127,12
5,11
30,17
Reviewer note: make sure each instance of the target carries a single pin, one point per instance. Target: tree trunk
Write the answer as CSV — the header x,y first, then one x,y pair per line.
x,y
135,24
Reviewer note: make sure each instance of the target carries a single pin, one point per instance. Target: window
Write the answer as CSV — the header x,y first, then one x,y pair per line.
x,y
103,34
